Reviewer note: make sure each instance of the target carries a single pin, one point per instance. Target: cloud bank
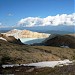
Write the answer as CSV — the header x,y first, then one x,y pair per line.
x,y
63,19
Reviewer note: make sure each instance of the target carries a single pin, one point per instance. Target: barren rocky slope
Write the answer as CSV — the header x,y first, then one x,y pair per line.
x,y
26,34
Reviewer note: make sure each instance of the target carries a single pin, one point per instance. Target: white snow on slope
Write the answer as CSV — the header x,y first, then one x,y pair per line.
x,y
50,63
3,38
64,46
44,64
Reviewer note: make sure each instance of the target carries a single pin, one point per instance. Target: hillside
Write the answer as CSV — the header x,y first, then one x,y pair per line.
x,y
16,53
60,41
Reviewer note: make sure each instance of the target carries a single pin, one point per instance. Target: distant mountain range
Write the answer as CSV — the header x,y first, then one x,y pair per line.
x,y
57,32
60,29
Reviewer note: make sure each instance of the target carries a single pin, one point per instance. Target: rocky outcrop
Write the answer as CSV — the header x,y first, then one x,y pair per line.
x,y
26,34
10,39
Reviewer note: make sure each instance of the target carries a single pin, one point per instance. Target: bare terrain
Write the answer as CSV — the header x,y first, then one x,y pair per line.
x,y
12,51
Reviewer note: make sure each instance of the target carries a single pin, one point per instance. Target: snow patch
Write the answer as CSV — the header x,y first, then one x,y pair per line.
x,y
44,64
50,63
3,38
64,46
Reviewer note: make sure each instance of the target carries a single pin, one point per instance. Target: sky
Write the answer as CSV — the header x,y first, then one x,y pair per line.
x,y
25,12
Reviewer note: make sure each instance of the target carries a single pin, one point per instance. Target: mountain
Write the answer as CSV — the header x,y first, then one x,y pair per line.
x,y
60,41
25,34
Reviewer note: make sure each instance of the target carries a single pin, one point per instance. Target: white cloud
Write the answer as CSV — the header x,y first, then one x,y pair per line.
x,y
31,21
63,19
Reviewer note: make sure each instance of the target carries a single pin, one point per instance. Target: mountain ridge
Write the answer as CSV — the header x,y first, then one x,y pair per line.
x,y
25,34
